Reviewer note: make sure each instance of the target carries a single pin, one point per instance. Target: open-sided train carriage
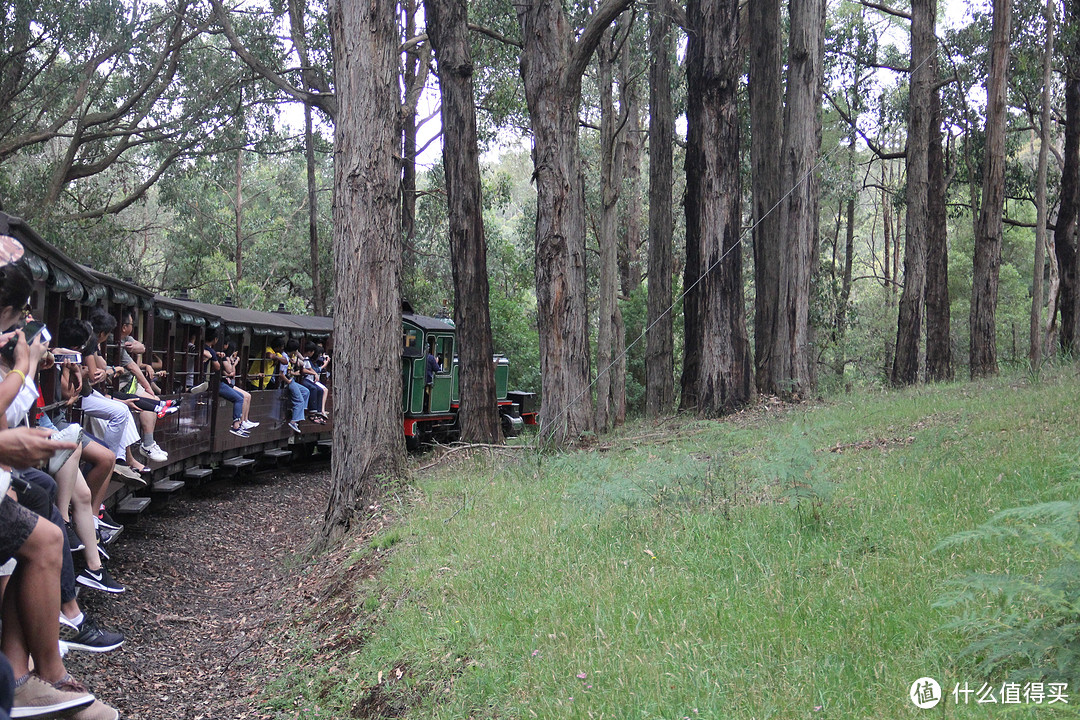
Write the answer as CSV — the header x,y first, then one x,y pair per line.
x,y
174,330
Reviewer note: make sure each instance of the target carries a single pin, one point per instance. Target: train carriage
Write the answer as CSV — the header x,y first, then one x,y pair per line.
x,y
174,331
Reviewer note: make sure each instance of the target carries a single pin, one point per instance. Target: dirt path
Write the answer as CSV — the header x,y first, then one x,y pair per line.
x,y
202,578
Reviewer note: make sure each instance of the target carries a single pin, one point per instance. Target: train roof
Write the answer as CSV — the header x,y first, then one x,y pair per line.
x,y
47,263
428,323
315,324
236,319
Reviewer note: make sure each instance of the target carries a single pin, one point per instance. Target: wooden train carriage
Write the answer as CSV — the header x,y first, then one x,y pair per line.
x,y
62,289
429,412
252,331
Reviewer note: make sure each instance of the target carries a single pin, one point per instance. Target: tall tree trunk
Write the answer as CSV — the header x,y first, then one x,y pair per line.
x,y
607,240
447,22
723,378
790,359
984,281
368,445
938,323
409,130
1050,337
766,129
1065,229
1039,265
659,343
552,63
886,232
238,218
317,293
905,370
845,279
628,158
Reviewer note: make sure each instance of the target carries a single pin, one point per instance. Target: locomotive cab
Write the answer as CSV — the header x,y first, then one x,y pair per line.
x,y
428,407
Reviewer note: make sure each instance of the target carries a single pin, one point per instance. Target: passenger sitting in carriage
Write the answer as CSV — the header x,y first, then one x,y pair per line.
x,y
289,376
119,432
226,366
128,388
309,378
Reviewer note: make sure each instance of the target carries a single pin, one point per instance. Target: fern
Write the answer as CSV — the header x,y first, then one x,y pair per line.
x,y
1025,625
794,468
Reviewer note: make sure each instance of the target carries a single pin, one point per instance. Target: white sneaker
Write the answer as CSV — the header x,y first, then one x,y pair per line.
x,y
249,425
154,452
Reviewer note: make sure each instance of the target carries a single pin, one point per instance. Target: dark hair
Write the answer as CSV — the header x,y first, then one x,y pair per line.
x,y
73,333
211,334
16,284
277,343
292,345
101,321
310,346
127,317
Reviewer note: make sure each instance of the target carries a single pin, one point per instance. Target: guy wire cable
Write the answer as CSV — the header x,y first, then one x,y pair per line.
x,y
738,243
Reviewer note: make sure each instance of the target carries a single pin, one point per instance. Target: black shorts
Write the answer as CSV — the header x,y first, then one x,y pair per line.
x,y
16,524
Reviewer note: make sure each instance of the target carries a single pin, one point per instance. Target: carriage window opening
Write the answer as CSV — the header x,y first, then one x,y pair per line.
x,y
412,338
444,351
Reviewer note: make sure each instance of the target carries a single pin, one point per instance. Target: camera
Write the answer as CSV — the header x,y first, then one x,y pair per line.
x,y
33,331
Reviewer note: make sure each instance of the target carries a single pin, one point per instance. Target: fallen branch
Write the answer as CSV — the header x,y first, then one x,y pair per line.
x,y
468,446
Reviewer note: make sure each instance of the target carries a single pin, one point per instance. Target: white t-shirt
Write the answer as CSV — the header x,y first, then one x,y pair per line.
x,y
16,412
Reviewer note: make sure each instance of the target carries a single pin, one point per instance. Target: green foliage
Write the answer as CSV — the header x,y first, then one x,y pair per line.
x,y
200,247
672,578
1023,624
792,466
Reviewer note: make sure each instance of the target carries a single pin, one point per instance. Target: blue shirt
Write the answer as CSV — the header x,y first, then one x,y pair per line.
x,y
432,367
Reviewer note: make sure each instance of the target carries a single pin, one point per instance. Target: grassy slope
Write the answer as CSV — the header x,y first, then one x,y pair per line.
x,y
670,577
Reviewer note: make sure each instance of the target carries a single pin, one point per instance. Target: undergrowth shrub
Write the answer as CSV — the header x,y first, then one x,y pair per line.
x,y
794,468
1025,625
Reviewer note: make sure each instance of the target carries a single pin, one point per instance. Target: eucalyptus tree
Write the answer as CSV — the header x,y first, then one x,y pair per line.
x,y
554,56
1065,229
1035,331
987,260
793,372
368,445
905,370
447,22
766,115
659,349
615,127
717,368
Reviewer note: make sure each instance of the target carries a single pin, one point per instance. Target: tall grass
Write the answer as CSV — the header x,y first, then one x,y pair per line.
x,y
732,569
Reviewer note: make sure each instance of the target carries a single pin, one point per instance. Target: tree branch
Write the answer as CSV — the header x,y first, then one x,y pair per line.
x,y
324,101
494,35
590,37
874,147
886,9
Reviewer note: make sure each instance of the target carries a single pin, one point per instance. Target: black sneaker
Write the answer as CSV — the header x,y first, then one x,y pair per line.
x,y
73,539
105,521
88,636
99,580
102,553
106,535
